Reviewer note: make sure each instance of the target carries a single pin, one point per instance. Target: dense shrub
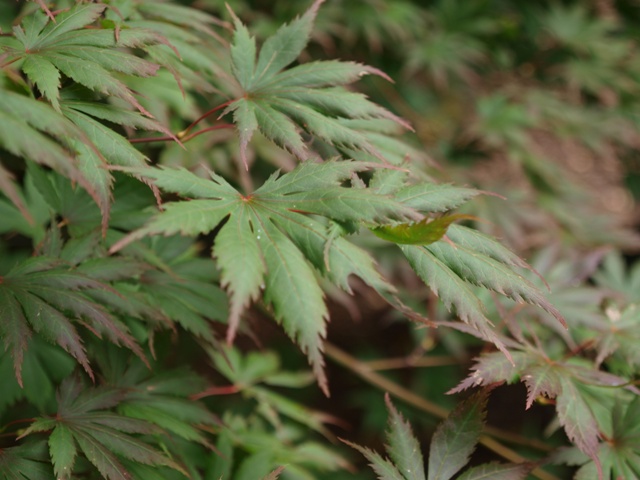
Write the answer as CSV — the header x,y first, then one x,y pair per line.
x,y
219,225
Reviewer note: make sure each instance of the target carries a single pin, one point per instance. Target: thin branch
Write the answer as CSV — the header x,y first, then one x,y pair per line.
x,y
410,362
363,371
205,115
182,138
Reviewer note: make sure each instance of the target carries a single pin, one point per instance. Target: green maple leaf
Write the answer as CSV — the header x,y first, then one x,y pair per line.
x,y
39,295
268,238
451,269
160,398
29,460
619,454
33,130
455,439
452,444
182,287
618,336
246,372
84,423
310,96
50,48
577,388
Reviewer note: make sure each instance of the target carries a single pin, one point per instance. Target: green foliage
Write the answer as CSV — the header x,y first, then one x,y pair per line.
x,y
451,447
174,180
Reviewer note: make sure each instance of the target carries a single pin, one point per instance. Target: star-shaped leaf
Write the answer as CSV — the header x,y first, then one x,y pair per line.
x,y
271,238
84,423
46,296
310,97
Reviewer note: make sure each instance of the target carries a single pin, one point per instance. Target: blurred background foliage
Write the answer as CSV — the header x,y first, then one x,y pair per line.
x,y
536,101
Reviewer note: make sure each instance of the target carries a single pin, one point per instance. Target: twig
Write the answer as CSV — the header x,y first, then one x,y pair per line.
x,y
205,115
182,138
410,362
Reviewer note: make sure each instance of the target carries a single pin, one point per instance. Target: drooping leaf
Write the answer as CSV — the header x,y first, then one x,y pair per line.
x,y
452,290
26,130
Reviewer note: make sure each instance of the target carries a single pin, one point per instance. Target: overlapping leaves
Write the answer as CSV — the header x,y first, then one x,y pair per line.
x,y
310,96
268,239
49,51
45,295
452,270
160,398
579,390
29,460
619,455
51,48
84,423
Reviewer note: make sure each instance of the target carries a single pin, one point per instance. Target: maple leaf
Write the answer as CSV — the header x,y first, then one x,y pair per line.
x,y
573,386
159,398
182,287
83,420
619,454
50,48
455,439
309,96
268,236
29,460
247,372
615,276
39,295
452,444
33,130
471,259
